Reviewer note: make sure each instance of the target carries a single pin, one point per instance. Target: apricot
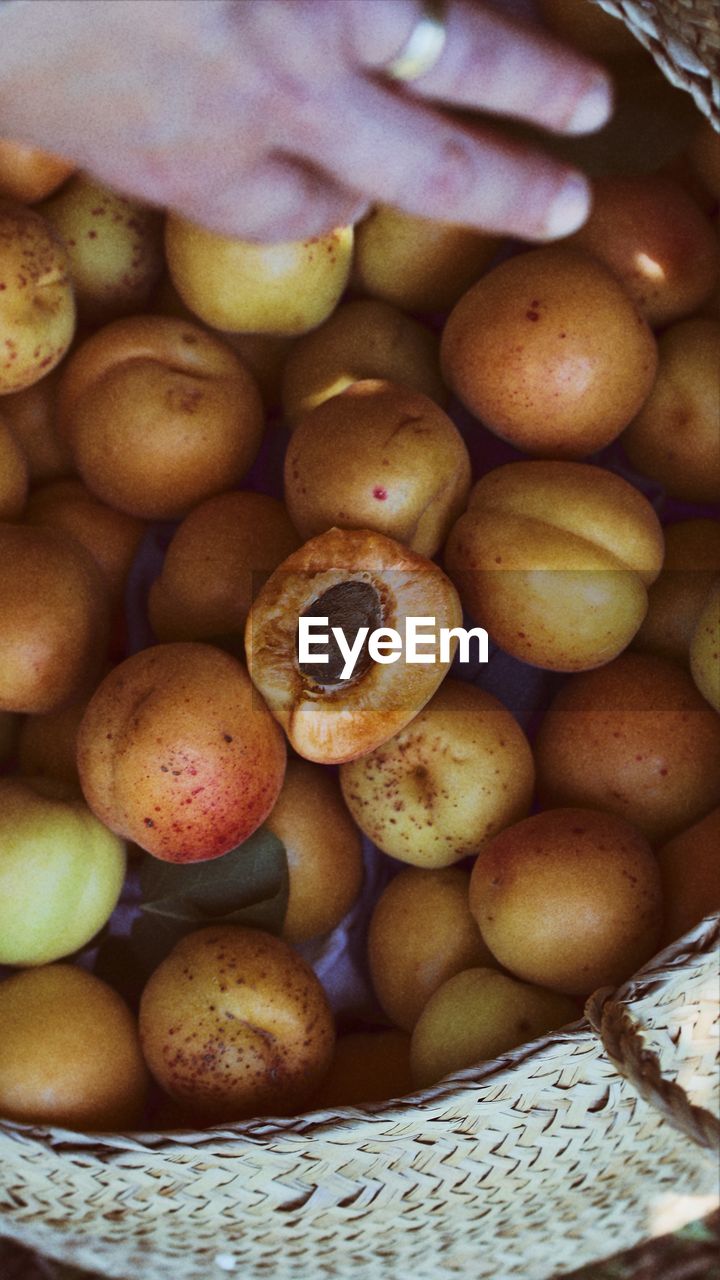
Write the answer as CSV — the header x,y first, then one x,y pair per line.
x,y
550,352
61,871
418,264
13,475
421,932
355,578
215,564
112,537
460,771
633,738
178,753
378,456
241,287
655,238
30,415
323,847
554,559
114,245
362,339
29,175
71,1054
676,598
705,649
368,1066
690,871
37,307
53,619
569,899
477,1015
47,743
674,438
234,1023
159,415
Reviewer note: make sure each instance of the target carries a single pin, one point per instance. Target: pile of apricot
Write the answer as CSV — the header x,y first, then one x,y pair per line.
x,y
401,419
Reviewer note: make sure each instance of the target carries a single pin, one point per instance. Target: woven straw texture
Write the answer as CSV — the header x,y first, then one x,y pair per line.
x,y
555,1155
684,38
535,1163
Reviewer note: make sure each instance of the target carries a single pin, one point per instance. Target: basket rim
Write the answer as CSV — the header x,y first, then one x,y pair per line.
x,y
342,1120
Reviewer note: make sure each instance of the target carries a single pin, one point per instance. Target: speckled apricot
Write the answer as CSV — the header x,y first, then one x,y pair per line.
x,y
178,752
378,456
234,1023
549,351
460,771
242,287
114,245
37,306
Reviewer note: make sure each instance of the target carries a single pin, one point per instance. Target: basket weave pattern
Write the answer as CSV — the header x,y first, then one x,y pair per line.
x,y
539,1162
684,38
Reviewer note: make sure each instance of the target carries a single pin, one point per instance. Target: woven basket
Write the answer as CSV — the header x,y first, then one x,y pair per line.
x,y
562,1152
684,38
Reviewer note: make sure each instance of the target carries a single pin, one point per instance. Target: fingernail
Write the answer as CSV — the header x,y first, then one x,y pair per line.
x,y
594,108
570,207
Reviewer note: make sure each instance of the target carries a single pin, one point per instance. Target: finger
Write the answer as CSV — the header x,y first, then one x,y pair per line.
x,y
401,152
280,199
490,63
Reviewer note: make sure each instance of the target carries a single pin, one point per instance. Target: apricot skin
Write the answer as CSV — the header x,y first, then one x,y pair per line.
x,y
421,932
554,559
633,738
234,1023
215,565
37,306
655,238
177,752
569,899
378,456
71,1054
53,619
674,438
677,597
550,352
159,415
460,771
323,847
29,175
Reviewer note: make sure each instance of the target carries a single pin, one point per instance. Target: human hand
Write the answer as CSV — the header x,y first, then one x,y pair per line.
x,y
271,119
